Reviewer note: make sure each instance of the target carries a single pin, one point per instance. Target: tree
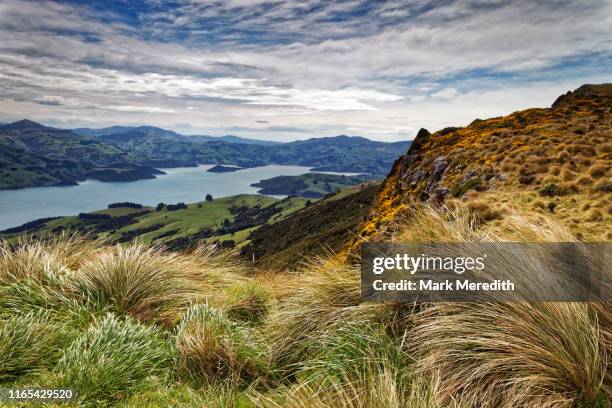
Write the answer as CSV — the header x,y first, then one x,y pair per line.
x,y
160,207
209,197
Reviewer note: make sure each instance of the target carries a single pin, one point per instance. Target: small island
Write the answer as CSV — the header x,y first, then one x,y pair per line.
x,y
219,168
309,185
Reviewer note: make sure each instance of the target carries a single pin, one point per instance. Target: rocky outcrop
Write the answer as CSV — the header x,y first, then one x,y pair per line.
x,y
510,152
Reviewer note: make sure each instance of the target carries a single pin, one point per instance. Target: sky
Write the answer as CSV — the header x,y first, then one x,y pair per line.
x,y
291,70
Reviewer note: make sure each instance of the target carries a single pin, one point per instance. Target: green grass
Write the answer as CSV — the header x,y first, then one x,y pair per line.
x,y
213,348
112,358
31,342
311,185
290,339
165,226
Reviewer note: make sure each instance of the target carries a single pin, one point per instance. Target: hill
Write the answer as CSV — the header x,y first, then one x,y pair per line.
x,y
317,230
351,154
167,135
35,155
227,221
554,161
138,325
136,153
309,185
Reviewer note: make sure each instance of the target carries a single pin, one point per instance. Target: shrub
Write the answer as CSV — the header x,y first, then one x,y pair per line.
x,y
30,342
126,204
149,283
471,184
94,216
112,358
247,303
212,348
177,206
549,190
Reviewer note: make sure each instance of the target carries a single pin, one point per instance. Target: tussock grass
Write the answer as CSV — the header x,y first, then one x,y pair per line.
x,y
329,293
506,354
212,348
44,260
248,303
155,394
30,342
511,354
192,330
151,284
112,358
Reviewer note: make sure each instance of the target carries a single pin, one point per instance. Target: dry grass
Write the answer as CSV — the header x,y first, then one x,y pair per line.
x,y
507,354
212,348
315,343
44,260
151,284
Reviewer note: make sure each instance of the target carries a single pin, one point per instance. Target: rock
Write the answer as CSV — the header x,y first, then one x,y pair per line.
x,y
438,167
417,177
440,193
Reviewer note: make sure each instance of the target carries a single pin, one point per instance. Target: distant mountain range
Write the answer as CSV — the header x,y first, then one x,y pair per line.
x,y
143,132
32,154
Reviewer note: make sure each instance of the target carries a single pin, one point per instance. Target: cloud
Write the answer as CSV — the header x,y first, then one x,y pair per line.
x,y
446,93
315,66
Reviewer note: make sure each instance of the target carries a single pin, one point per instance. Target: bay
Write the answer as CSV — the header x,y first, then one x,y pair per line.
x,y
186,184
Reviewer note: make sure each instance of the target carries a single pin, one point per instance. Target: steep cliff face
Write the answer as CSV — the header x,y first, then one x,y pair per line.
x,y
554,161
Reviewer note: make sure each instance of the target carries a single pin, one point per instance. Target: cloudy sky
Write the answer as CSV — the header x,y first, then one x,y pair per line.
x,y
286,70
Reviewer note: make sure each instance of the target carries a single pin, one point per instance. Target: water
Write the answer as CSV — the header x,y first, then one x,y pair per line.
x,y
186,184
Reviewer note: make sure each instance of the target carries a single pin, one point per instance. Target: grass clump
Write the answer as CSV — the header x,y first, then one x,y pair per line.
x,y
45,260
512,354
352,349
112,358
211,348
157,394
597,171
30,342
28,296
247,303
149,283
328,294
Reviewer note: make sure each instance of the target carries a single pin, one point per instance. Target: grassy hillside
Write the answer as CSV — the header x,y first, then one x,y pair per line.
x,y
36,155
226,220
321,228
339,153
554,161
310,185
135,326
